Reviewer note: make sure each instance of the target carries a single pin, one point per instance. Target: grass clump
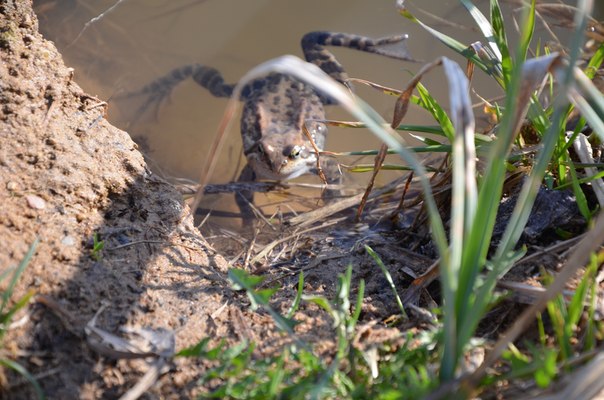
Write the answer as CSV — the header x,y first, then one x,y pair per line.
x,y
299,373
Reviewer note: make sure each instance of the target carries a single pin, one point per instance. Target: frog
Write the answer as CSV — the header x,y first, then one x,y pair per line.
x,y
278,107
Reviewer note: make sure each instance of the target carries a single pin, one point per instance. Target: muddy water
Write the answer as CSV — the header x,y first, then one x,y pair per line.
x,y
140,40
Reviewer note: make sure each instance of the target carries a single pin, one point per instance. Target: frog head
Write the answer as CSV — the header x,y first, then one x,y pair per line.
x,y
282,156
282,149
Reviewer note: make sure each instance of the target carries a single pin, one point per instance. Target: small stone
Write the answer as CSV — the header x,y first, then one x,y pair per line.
x,y
35,202
25,22
68,240
11,186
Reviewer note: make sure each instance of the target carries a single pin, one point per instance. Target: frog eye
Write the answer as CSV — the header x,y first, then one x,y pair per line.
x,y
295,153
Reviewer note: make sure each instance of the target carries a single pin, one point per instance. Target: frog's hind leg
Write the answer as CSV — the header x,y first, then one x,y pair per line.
x,y
159,90
314,51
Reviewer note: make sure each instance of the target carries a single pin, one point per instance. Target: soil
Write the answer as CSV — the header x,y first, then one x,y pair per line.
x,y
70,179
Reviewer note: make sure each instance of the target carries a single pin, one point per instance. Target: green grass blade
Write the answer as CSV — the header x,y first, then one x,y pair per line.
x,y
438,113
6,295
463,210
590,101
439,148
320,301
501,41
6,273
587,179
260,298
197,350
595,62
591,330
485,27
358,307
298,298
277,377
526,33
579,195
386,273
410,128
23,372
448,41
22,302
361,168
436,130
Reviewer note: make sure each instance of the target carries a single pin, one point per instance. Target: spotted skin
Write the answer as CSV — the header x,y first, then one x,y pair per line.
x,y
277,106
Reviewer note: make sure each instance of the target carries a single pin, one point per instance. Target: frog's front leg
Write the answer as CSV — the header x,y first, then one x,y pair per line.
x,y
330,169
314,51
245,198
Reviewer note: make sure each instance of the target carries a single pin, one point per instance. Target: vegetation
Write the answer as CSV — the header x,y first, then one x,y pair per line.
x,y
431,361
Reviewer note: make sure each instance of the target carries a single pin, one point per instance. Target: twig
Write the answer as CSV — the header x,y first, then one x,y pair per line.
x,y
379,161
269,247
317,151
330,209
315,263
95,19
401,205
551,249
148,380
121,246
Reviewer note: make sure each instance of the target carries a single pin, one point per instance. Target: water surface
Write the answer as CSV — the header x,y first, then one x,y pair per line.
x,y
138,41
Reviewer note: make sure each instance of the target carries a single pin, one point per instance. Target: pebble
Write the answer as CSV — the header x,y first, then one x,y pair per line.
x,y
35,202
68,241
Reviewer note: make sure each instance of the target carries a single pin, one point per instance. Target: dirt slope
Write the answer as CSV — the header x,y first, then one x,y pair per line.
x,y
66,174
